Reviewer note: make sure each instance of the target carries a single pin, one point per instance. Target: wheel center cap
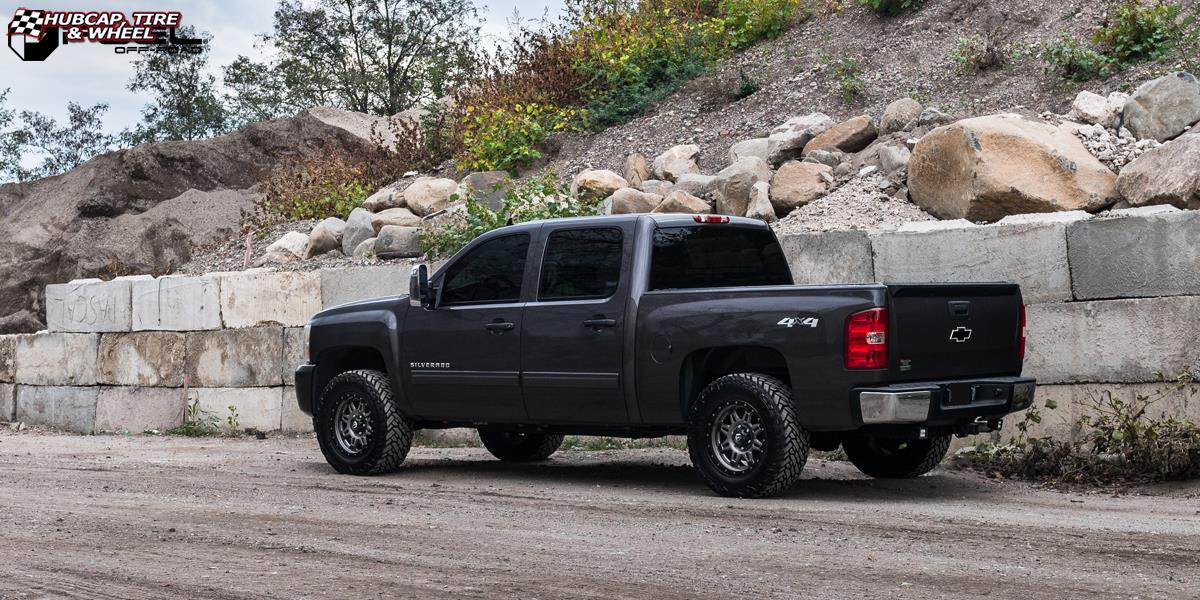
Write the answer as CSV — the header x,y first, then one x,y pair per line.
x,y
742,437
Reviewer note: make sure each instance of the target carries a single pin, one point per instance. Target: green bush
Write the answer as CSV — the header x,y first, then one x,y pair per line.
x,y
1071,59
892,7
1139,31
746,22
503,139
544,197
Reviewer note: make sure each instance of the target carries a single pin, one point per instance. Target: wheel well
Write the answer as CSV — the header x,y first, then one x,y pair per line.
x,y
335,361
704,366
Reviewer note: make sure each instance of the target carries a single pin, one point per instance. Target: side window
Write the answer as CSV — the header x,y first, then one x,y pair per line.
x,y
490,273
581,264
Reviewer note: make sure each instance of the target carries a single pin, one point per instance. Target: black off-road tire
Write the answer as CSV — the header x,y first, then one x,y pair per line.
x,y
520,447
895,459
390,434
786,442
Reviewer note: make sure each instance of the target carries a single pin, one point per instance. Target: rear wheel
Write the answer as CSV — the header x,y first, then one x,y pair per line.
x,y
520,447
884,458
359,428
744,438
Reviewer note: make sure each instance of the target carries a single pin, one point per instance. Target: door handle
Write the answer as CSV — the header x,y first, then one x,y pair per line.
x,y
499,326
600,323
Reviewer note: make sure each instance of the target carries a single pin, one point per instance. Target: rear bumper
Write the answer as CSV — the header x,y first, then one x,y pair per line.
x,y
943,402
304,391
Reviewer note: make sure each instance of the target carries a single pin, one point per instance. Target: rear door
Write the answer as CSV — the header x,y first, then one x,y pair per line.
x,y
946,331
572,334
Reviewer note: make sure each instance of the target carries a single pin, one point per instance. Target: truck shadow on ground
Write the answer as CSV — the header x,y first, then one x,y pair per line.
x,y
822,480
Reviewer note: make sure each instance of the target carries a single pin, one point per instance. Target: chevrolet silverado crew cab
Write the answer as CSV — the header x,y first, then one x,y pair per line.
x,y
652,325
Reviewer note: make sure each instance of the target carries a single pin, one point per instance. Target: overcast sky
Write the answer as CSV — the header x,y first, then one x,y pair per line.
x,y
91,73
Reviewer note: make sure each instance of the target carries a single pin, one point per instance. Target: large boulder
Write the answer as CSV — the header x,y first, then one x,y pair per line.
x,y
428,195
680,201
326,236
289,248
677,161
899,115
788,140
756,147
396,241
848,136
390,196
656,186
636,169
1163,108
629,201
596,184
1169,174
697,185
401,217
796,184
489,187
1095,109
986,168
358,228
735,183
760,203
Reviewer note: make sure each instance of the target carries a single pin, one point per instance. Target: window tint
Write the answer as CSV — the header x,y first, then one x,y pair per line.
x,y
491,272
716,256
581,264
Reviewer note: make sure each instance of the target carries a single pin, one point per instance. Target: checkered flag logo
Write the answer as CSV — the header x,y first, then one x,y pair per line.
x,y
27,22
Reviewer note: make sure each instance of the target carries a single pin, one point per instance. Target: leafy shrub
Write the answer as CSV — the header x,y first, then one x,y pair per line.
x,y
330,183
1120,443
544,197
1075,60
748,21
196,423
892,7
502,139
980,52
1139,31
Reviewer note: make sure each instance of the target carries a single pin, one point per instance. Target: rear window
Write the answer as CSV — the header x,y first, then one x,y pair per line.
x,y
716,256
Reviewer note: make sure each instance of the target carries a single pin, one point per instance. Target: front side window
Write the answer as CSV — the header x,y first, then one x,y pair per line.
x,y
581,264
490,273
710,256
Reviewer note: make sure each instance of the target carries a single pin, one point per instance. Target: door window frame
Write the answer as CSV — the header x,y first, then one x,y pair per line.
x,y
466,253
621,266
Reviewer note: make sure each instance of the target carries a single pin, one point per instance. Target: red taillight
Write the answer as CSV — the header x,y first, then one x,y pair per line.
x,y
866,339
711,219
1021,332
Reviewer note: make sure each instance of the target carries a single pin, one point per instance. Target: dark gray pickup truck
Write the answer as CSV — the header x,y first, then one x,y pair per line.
x,y
653,325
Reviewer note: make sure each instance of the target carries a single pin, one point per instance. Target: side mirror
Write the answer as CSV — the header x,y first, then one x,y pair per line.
x,y
419,292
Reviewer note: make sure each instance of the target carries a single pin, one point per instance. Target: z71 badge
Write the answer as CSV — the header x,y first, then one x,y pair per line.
x,y
791,322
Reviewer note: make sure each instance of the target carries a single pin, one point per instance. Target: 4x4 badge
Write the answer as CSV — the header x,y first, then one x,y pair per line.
x,y
960,334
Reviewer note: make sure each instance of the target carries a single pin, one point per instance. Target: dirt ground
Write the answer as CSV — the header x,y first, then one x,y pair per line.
x,y
143,517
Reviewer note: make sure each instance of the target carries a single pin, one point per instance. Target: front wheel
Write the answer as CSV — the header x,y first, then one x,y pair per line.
x,y
520,447
744,437
895,458
359,427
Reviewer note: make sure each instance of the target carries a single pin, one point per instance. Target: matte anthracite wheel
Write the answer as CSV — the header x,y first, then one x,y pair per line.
x,y
744,438
359,427
895,459
520,447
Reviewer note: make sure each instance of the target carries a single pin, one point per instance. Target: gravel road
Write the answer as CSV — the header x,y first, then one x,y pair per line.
x,y
140,517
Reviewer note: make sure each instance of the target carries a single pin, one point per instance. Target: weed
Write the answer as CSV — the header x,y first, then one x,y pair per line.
x,y
1139,30
980,52
848,73
1074,60
196,423
231,420
747,86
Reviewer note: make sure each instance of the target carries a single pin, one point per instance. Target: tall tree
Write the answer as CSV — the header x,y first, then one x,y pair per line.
x,y
65,147
372,56
184,102
11,141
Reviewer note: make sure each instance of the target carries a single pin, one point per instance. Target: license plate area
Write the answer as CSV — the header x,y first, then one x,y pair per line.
x,y
975,394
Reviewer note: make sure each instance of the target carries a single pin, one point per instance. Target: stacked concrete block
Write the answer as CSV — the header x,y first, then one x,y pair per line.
x,y
293,354
1131,340
176,303
56,358
145,358
339,286
90,305
138,409
257,298
235,358
1031,253
830,257
64,407
1144,255
260,408
8,402
293,419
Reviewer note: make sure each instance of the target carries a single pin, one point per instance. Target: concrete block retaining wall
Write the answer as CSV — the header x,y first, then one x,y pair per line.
x,y
1114,306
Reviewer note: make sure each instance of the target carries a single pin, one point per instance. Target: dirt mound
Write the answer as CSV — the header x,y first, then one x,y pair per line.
x,y
146,209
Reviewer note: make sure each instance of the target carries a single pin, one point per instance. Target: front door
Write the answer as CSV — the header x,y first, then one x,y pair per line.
x,y
463,356
572,335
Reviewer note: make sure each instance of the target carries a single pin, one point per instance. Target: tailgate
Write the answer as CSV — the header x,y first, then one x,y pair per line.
x,y
943,331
